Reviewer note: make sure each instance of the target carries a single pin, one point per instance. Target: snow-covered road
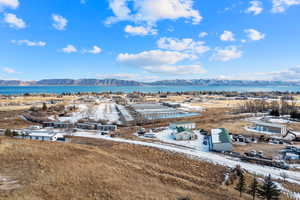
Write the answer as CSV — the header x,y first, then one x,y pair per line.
x,y
293,177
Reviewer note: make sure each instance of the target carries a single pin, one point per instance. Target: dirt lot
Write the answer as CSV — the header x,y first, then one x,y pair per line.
x,y
37,170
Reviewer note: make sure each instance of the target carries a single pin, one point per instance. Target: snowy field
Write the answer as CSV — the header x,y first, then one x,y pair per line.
x,y
189,107
270,119
76,116
104,111
166,136
125,113
108,112
261,132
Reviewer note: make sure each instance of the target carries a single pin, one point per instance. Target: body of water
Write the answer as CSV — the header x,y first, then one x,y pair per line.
x,y
13,90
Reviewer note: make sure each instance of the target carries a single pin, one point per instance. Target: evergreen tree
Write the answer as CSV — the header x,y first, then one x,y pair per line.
x,y
269,190
44,108
253,187
241,184
8,133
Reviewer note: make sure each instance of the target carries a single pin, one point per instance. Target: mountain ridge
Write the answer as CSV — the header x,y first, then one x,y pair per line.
x,y
119,82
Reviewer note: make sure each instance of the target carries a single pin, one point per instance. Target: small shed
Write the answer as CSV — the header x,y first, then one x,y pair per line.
x,y
220,140
186,125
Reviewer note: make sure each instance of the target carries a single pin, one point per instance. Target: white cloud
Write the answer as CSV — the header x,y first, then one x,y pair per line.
x,y
152,58
157,61
176,69
187,45
140,30
83,1
227,36
127,76
280,6
255,8
69,49
203,34
9,4
9,70
151,11
291,74
94,50
255,35
124,76
225,54
59,22
13,21
29,43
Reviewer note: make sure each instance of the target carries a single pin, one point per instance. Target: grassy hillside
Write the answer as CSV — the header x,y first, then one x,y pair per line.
x,y
34,170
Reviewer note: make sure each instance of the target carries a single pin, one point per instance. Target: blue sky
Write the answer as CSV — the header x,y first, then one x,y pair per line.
x,y
148,40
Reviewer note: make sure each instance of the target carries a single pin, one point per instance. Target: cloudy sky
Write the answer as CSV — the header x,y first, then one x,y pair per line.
x,y
150,39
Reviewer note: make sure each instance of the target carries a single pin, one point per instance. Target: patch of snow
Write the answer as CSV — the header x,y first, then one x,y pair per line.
x,y
108,112
279,120
189,107
257,131
166,136
104,111
290,194
76,116
125,113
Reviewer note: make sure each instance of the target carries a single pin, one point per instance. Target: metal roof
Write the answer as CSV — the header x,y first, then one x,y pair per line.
x,y
220,135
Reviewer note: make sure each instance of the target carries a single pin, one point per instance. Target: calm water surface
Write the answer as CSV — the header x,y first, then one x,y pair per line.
x,y
11,90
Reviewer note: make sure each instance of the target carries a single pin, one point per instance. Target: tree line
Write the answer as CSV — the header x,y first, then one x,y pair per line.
x,y
284,106
266,190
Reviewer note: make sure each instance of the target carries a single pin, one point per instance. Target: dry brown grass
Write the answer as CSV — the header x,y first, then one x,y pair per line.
x,y
12,120
106,170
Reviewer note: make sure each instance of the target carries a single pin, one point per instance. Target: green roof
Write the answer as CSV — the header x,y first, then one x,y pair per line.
x,y
220,135
224,136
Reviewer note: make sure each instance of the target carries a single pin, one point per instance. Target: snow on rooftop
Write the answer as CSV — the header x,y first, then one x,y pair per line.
x,y
215,134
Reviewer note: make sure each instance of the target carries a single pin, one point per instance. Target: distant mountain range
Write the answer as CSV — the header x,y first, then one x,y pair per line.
x,y
116,82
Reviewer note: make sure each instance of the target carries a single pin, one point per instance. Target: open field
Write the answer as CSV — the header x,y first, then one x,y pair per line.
x,y
105,170
25,102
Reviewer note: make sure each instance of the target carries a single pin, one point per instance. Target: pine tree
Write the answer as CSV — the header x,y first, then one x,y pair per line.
x,y
253,187
241,184
44,108
269,190
8,133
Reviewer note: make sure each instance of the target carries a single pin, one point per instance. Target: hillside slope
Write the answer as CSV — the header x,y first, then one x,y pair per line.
x,y
32,170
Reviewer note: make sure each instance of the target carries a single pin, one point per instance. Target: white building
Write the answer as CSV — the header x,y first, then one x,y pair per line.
x,y
220,140
186,125
276,129
45,135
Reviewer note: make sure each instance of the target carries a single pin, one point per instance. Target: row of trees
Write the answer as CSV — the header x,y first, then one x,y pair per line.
x,y
284,106
10,133
267,190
